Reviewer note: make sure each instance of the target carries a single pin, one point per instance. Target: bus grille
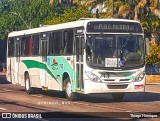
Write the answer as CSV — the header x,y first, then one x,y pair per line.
x,y
124,79
117,86
109,80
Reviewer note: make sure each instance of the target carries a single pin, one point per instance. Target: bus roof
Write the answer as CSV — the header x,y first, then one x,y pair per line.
x,y
74,24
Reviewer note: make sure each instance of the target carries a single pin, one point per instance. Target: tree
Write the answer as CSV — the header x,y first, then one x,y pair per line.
x,y
33,12
71,14
154,56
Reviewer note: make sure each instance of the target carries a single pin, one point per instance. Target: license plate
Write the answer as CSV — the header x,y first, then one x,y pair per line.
x,y
111,62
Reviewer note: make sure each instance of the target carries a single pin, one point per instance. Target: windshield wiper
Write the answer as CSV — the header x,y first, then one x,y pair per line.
x,y
109,42
126,41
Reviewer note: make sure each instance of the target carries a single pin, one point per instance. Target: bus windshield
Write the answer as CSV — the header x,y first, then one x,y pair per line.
x,y
115,51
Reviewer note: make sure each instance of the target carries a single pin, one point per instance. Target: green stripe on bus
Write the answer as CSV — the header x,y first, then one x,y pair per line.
x,y
35,64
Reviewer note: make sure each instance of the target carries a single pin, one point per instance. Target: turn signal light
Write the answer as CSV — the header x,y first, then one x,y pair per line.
x,y
139,86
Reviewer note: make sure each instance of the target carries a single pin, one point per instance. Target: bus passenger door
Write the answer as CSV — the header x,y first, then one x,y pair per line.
x,y
79,40
17,61
44,45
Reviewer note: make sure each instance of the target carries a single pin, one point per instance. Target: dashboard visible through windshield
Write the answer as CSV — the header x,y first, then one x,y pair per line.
x,y
115,51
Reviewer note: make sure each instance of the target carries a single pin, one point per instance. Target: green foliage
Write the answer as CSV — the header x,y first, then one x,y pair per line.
x,y
36,12
154,56
150,23
71,14
13,13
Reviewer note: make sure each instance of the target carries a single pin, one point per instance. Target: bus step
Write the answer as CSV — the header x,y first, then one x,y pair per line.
x,y
44,88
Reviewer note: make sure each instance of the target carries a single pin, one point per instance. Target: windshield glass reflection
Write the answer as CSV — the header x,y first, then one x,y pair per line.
x,y
118,51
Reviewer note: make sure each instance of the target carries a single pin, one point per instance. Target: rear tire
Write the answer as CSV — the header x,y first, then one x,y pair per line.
x,y
28,88
118,96
71,96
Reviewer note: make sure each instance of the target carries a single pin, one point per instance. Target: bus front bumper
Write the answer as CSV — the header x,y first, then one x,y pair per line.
x,y
93,87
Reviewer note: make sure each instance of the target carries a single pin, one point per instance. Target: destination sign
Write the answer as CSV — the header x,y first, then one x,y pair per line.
x,y
114,26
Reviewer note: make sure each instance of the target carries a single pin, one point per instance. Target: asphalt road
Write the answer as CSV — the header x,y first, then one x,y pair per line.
x,y
52,104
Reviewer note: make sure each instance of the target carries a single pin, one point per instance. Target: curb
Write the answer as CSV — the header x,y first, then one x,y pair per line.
x,y
152,83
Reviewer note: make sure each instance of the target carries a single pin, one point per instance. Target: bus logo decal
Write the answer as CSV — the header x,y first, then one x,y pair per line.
x,y
54,64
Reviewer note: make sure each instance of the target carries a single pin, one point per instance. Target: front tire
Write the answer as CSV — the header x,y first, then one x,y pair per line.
x,y
71,96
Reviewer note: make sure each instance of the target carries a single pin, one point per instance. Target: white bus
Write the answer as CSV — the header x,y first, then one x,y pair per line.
x,y
84,56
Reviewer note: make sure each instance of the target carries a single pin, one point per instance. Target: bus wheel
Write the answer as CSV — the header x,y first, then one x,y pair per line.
x,y
71,96
118,96
28,87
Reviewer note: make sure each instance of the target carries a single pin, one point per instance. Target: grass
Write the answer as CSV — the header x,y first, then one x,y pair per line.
x,y
152,78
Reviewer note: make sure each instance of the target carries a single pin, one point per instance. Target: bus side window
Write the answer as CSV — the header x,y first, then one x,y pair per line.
x,y
68,42
53,44
35,44
17,46
22,46
51,37
57,43
65,42
11,47
25,46
30,46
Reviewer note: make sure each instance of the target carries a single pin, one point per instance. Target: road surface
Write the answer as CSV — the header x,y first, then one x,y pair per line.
x,y
52,104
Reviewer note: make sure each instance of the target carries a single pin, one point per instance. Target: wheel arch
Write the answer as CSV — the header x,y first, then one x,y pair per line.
x,y
64,77
25,73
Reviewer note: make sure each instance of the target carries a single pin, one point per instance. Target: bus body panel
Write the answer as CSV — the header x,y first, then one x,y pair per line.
x,y
121,81
94,87
51,73
59,65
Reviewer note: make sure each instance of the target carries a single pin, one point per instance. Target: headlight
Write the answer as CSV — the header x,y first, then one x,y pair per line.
x,y
139,77
93,77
